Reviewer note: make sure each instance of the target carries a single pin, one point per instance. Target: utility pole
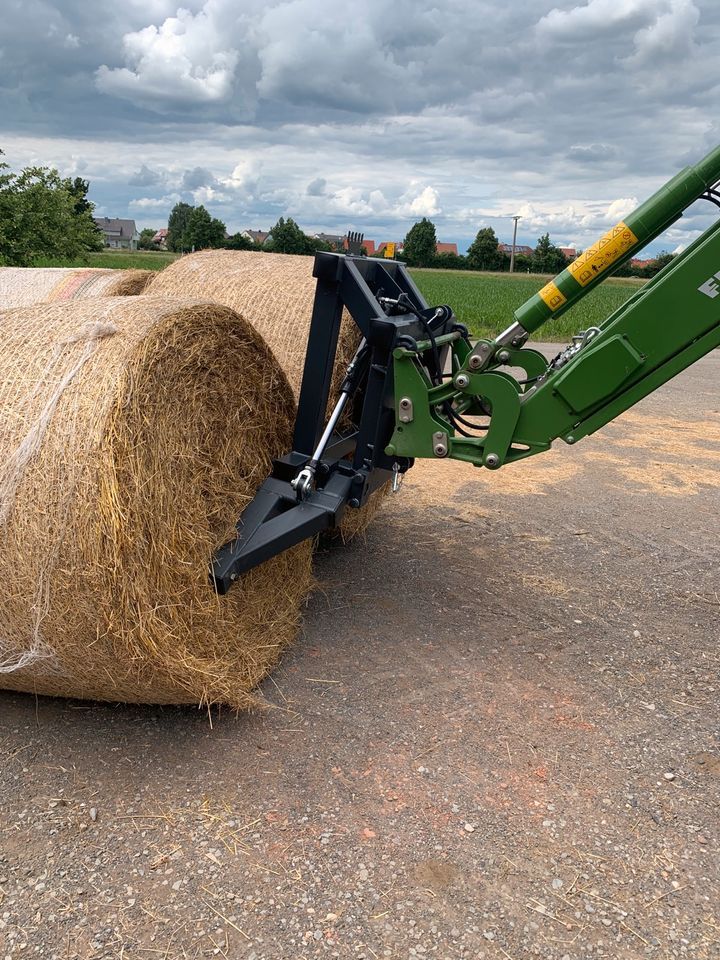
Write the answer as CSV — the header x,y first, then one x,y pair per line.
x,y
512,254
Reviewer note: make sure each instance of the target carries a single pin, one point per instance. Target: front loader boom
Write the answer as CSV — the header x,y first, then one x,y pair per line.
x,y
418,386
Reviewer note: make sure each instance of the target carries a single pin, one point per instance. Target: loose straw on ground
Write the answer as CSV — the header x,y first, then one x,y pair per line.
x,y
133,432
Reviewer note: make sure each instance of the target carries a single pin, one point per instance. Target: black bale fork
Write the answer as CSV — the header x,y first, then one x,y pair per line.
x,y
328,470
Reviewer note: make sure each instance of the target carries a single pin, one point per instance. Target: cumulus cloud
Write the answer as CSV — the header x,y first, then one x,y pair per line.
x,y
368,119
425,203
145,177
198,177
155,203
185,59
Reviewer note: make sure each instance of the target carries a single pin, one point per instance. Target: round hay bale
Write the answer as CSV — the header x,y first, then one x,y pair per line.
x,y
133,432
24,286
275,293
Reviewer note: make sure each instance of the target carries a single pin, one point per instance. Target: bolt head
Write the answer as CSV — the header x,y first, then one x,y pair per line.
x,y
492,460
474,362
462,380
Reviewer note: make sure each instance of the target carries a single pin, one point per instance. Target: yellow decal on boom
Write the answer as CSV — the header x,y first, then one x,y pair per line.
x,y
552,297
603,254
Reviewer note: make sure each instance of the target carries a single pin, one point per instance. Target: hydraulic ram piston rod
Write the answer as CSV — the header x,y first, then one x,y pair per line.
x,y
638,228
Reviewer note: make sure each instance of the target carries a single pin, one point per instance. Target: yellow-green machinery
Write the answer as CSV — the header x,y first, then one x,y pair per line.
x,y
418,386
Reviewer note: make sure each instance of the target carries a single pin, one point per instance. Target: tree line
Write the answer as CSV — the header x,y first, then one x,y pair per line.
x,y
193,228
484,253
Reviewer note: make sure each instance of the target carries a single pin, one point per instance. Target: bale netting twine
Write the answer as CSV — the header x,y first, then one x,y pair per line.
x,y
275,293
24,286
133,432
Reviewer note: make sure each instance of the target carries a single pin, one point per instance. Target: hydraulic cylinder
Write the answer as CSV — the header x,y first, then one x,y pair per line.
x,y
638,228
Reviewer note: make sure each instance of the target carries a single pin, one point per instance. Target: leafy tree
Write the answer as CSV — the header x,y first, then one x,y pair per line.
x,y
238,242
450,261
42,216
547,257
78,189
656,265
421,243
203,231
523,263
146,239
177,224
483,252
287,237
624,270
315,244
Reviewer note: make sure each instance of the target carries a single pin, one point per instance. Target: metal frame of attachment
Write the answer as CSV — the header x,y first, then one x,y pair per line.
x,y
329,468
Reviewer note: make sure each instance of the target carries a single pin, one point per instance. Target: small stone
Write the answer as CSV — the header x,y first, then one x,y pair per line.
x,y
469,828
318,935
669,775
701,838
177,885
557,883
488,934
93,814
636,634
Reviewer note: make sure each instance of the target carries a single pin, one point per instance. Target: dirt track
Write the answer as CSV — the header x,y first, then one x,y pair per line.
x,y
498,737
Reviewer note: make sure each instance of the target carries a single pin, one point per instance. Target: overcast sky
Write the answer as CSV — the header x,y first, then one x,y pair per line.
x,y
367,115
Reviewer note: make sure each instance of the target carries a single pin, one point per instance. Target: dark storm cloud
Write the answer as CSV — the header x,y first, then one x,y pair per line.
x,y
365,116
197,178
145,177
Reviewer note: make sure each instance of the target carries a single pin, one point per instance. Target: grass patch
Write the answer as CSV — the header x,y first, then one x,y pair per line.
x,y
115,260
485,302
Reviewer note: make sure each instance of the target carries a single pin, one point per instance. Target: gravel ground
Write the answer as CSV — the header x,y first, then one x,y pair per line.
x,y
496,738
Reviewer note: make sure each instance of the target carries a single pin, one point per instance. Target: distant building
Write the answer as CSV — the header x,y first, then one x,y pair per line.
x,y
118,234
399,247
256,236
160,238
570,252
446,248
520,249
369,247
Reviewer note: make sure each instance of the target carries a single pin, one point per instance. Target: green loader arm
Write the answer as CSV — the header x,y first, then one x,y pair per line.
x,y
667,325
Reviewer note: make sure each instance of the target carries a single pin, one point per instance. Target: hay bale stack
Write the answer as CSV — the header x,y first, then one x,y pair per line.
x,y
24,286
275,293
133,432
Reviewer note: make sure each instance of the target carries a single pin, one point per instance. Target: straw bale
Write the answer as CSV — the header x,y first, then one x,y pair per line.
x,y
133,432
275,293
24,286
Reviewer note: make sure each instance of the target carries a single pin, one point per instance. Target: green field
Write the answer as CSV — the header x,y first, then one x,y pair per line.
x,y
116,260
485,302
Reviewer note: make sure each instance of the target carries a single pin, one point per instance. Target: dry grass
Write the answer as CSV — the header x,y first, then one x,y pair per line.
x,y
24,286
134,432
275,293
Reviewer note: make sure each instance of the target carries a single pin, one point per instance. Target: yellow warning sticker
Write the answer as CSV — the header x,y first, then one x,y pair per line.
x,y
552,296
603,254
